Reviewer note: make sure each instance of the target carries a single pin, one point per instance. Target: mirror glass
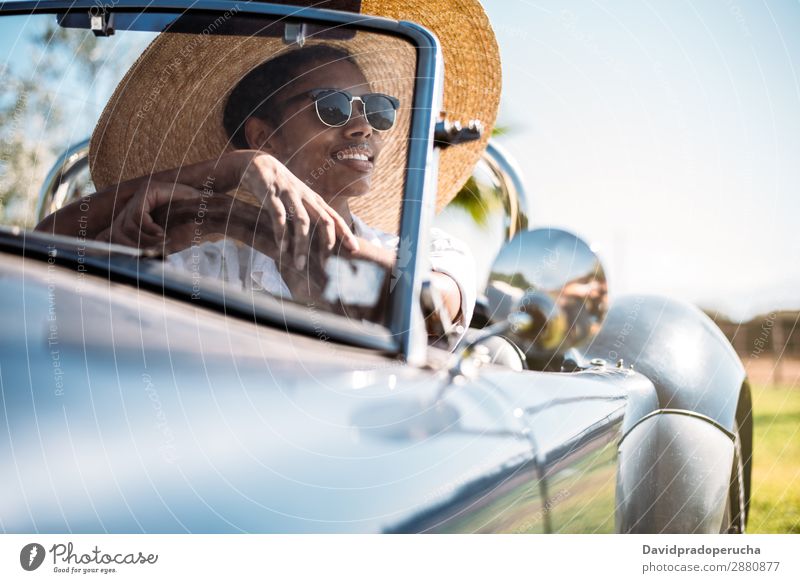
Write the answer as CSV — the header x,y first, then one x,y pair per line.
x,y
555,277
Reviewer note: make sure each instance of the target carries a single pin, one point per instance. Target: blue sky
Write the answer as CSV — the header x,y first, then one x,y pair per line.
x,y
667,134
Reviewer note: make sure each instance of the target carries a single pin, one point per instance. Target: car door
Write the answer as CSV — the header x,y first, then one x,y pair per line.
x,y
127,411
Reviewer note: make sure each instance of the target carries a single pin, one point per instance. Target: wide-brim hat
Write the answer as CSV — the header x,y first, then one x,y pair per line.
x,y
168,109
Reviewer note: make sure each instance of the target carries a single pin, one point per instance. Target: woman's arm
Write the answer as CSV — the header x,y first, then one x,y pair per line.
x,y
94,213
288,201
90,215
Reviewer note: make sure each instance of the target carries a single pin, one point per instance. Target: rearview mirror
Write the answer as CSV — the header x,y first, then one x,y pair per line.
x,y
558,281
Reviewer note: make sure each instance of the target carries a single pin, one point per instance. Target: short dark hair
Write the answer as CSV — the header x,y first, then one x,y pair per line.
x,y
251,96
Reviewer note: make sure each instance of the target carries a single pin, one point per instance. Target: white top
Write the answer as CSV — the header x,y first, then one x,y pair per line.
x,y
253,271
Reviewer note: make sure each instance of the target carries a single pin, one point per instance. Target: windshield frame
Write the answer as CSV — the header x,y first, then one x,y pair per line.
x,y
419,191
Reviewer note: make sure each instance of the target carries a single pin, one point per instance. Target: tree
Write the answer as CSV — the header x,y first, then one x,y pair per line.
x,y
34,123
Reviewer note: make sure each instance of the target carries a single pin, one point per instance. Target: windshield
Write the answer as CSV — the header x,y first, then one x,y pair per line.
x,y
262,155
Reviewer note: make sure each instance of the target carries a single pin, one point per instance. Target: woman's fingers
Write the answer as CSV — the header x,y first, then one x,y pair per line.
x,y
295,209
265,178
156,194
144,239
134,226
149,227
140,224
327,228
126,229
180,191
118,236
322,225
301,227
130,228
277,217
342,230
115,234
261,175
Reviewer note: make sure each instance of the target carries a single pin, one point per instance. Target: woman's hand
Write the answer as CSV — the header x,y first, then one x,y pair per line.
x,y
134,225
294,208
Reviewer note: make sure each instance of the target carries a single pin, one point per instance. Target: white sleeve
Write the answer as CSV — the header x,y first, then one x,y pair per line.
x,y
210,259
450,256
447,255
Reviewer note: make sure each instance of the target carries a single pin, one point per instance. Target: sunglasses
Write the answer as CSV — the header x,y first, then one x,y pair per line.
x,y
335,108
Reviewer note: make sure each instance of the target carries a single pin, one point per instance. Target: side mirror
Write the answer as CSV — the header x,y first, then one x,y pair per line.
x,y
557,281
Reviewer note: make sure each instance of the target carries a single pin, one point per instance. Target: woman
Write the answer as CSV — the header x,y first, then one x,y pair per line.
x,y
309,133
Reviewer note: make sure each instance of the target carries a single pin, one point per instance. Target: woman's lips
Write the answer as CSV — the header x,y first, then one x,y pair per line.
x,y
358,161
365,166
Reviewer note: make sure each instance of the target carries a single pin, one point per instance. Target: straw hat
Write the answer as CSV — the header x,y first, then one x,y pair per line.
x,y
167,110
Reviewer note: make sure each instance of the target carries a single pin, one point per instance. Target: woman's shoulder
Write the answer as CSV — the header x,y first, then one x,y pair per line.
x,y
373,235
440,239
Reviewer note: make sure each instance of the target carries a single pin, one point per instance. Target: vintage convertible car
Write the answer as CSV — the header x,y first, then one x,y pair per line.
x,y
131,403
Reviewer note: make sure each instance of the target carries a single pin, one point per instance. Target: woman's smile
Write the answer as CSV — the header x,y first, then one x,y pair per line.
x,y
358,157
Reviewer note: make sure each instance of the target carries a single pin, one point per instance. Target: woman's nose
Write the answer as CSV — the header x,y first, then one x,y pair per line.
x,y
358,126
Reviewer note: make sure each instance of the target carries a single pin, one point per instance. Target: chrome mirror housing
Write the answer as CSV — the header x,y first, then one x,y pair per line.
x,y
67,180
558,281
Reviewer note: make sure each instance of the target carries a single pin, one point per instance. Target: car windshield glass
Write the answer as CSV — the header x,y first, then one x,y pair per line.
x,y
258,154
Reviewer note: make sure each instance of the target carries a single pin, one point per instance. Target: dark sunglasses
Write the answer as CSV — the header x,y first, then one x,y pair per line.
x,y
335,108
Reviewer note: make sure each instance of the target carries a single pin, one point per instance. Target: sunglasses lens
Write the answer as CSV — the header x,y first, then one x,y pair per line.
x,y
380,111
333,108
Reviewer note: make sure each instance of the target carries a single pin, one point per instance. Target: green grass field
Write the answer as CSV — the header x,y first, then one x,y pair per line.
x,y
775,507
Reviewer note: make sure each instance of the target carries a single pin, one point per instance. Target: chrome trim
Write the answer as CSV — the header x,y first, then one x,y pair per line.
x,y
515,201
420,197
685,412
55,189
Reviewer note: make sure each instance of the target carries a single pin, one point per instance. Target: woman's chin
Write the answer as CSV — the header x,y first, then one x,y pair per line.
x,y
357,189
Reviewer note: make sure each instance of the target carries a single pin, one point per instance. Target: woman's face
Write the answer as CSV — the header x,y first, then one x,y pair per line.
x,y
330,160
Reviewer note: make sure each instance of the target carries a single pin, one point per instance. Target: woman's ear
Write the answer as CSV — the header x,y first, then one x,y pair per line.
x,y
258,134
